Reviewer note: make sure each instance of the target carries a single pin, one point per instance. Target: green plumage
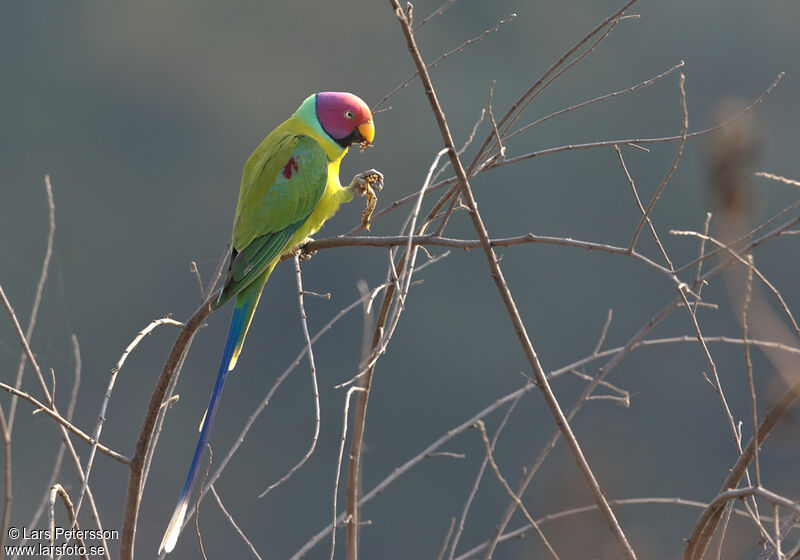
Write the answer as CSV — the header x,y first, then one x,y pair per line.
x,y
282,183
290,186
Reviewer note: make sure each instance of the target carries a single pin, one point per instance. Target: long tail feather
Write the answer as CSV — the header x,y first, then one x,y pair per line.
x,y
246,302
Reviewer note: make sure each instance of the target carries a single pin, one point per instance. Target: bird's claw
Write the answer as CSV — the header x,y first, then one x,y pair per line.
x,y
367,183
303,252
370,179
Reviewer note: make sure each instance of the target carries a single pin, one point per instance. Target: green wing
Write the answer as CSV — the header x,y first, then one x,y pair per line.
x,y
282,183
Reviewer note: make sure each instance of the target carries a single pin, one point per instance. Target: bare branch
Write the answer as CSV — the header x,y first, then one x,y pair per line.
x,y
505,294
61,448
510,492
514,109
637,141
705,527
603,332
315,388
7,488
138,461
197,509
433,64
534,94
778,178
435,13
52,413
632,142
446,542
193,270
515,395
230,519
479,477
350,391
101,417
58,491
676,159
749,367
737,256
522,531
626,91
38,297
254,415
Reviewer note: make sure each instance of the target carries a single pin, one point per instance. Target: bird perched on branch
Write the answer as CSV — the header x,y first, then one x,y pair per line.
x,y
290,186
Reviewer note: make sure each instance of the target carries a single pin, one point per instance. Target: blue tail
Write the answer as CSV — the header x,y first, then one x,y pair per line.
x,y
246,302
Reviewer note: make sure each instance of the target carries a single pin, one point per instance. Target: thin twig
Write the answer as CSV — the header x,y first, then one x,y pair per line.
x,y
61,448
197,510
699,269
682,289
749,366
603,332
737,242
193,270
262,405
101,417
533,95
733,494
218,271
396,291
776,520
501,150
230,519
633,142
488,447
467,244
514,109
778,178
522,531
170,397
52,413
312,366
505,294
7,425
7,488
631,89
138,461
350,391
434,14
705,527
448,54
58,491
446,542
671,170
479,477
615,353
37,298
738,256
787,526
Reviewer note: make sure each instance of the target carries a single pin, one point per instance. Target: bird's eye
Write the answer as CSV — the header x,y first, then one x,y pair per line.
x,y
349,115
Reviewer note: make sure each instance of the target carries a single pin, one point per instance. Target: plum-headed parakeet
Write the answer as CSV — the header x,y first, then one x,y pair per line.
x,y
290,186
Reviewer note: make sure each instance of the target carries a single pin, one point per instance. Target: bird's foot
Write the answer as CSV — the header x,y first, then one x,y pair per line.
x,y
303,252
367,183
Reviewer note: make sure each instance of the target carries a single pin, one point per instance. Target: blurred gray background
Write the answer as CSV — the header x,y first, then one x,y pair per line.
x,y
143,115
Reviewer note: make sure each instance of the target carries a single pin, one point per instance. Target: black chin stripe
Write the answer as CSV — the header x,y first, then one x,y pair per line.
x,y
352,138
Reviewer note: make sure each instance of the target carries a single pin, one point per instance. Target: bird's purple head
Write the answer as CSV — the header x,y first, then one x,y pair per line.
x,y
345,117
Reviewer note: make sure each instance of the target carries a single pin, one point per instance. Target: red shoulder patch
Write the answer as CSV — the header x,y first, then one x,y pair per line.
x,y
290,168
